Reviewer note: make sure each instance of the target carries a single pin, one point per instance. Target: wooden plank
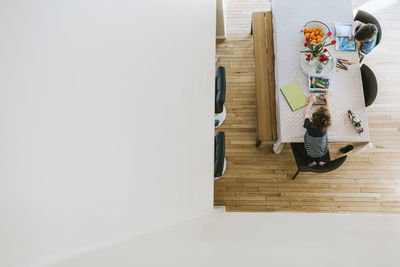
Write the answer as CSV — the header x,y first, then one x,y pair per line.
x,y
271,72
261,73
265,75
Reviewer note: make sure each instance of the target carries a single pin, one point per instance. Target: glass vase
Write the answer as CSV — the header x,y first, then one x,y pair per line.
x,y
312,61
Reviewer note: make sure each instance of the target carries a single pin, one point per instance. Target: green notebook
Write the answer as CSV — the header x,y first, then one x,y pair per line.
x,y
294,96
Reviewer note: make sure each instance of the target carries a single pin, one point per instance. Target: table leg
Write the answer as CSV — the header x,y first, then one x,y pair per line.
x,y
278,146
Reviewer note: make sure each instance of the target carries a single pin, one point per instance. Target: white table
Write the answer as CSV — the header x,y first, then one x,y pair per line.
x,y
289,16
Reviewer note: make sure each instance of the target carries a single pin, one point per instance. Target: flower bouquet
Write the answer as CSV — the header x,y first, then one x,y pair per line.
x,y
317,51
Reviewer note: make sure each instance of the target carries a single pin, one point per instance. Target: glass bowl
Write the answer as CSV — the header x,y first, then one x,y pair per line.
x,y
314,24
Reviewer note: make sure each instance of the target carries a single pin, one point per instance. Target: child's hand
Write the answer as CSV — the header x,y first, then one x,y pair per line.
x,y
313,98
350,37
327,97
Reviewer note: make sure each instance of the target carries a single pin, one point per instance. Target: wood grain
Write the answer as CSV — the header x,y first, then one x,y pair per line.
x,y
257,180
269,33
265,75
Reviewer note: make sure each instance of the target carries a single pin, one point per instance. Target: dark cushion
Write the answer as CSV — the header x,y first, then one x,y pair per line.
x,y
219,153
302,160
220,89
365,17
300,154
329,166
370,85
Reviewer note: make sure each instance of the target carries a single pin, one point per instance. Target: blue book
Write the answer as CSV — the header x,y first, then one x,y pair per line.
x,y
343,30
343,44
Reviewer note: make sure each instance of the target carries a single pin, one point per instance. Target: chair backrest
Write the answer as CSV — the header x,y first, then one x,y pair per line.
x,y
300,155
302,160
329,166
365,17
370,85
220,89
219,153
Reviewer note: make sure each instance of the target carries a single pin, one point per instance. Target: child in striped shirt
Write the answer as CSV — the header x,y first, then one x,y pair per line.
x,y
316,136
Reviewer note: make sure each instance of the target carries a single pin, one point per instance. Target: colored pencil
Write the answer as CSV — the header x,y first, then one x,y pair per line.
x,y
344,62
340,67
343,66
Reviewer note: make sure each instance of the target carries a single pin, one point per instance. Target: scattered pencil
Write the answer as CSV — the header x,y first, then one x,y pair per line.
x,y
345,61
349,62
341,65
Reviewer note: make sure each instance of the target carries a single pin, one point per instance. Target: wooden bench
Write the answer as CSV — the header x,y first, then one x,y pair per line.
x,y
263,40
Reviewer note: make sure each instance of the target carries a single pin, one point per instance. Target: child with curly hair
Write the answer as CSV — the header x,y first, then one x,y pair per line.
x,y
316,136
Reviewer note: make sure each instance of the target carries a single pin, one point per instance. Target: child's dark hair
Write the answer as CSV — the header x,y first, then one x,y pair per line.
x,y
366,32
321,120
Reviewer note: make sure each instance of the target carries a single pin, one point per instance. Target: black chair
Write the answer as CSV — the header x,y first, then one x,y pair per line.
x,y
219,155
370,85
220,92
365,17
302,161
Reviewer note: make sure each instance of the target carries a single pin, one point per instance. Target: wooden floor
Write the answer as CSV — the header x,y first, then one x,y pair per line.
x,y
258,180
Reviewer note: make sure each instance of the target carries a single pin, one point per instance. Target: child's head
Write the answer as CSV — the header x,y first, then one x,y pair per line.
x,y
321,120
366,32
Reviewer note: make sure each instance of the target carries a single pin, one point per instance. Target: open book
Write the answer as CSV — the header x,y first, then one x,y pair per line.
x,y
343,31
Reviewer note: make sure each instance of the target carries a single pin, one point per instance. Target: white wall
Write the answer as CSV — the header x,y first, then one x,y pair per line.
x,y
260,239
221,19
106,116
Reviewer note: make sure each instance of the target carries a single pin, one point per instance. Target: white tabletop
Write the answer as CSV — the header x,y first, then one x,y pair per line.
x,y
289,16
